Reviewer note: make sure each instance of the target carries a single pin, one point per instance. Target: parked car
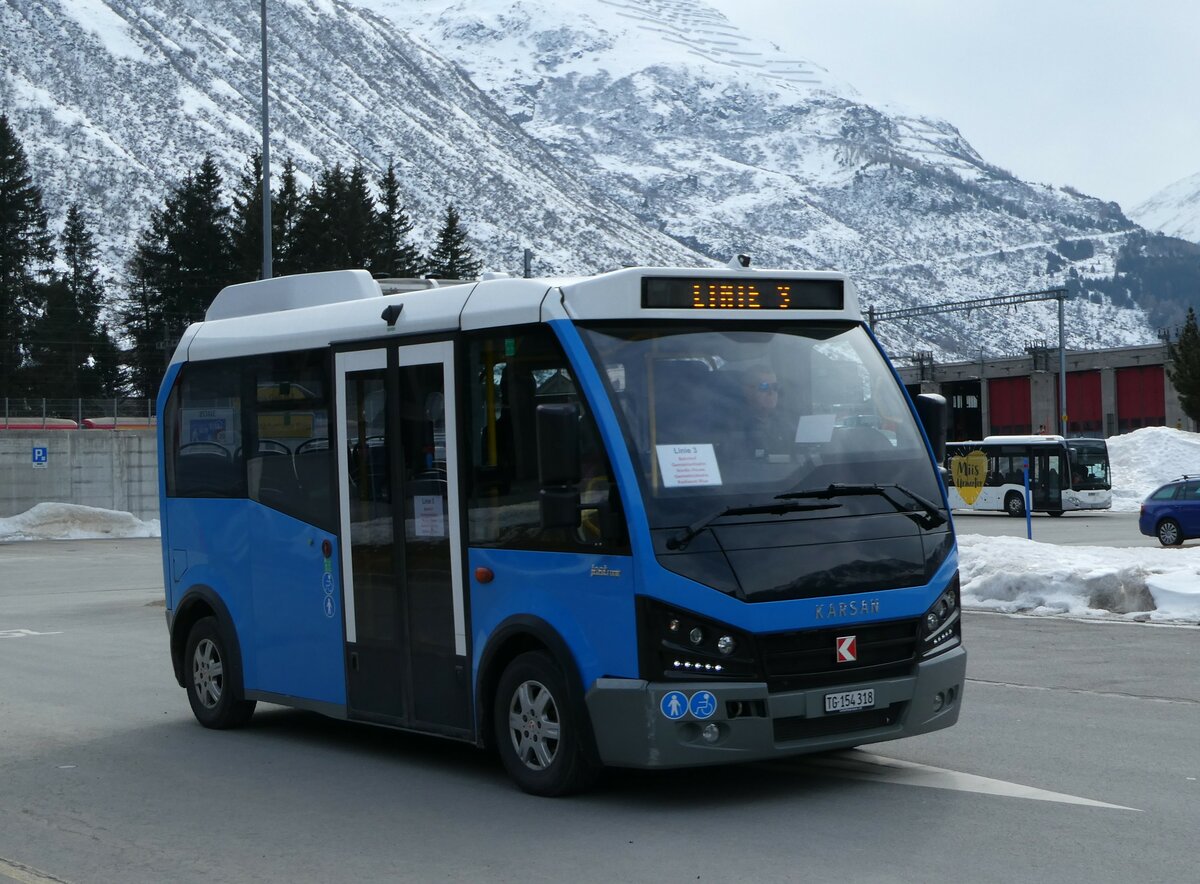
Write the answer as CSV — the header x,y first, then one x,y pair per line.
x,y
1172,513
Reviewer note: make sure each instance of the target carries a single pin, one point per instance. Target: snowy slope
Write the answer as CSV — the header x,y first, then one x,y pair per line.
x,y
732,145
606,132
115,100
1174,210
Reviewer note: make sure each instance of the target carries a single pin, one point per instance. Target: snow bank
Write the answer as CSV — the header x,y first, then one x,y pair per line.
x,y
1146,458
1014,575
68,521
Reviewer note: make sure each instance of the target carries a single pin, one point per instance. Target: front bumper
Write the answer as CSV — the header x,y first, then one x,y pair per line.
x,y
632,730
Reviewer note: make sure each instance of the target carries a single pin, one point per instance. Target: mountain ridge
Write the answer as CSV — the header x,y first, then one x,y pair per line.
x,y
597,134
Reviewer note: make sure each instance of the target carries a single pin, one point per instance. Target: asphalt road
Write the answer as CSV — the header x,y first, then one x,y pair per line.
x,y
1069,529
1075,760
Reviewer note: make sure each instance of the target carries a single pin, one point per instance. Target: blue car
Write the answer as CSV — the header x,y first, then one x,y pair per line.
x,y
1172,513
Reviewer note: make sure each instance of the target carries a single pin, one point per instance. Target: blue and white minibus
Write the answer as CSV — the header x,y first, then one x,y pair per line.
x,y
652,518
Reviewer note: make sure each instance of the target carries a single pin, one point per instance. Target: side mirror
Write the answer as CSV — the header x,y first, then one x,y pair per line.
x,y
560,507
558,456
559,465
931,408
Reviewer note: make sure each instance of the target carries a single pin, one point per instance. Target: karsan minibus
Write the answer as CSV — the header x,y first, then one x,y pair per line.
x,y
658,517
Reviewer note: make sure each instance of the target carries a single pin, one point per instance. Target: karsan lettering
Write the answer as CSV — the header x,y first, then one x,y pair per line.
x,y
854,608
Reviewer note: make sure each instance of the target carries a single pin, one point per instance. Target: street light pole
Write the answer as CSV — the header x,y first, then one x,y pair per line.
x,y
266,156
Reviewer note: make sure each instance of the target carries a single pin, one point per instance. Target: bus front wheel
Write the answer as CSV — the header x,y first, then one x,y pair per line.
x,y
208,676
538,733
1014,504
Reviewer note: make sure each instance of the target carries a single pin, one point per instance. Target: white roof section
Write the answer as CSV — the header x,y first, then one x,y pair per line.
x,y
342,319
499,302
292,293
316,310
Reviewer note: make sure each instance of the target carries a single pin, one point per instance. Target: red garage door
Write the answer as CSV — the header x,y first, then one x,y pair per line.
x,y
1140,398
1009,406
1084,409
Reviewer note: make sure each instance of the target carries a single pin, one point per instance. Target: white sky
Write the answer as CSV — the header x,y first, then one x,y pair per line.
x,y
1101,95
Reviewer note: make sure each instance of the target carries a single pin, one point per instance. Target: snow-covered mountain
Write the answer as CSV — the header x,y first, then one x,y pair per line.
x,y
115,100
729,144
1174,210
611,131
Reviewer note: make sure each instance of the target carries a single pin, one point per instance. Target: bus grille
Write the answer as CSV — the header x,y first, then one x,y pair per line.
x,y
808,659
789,729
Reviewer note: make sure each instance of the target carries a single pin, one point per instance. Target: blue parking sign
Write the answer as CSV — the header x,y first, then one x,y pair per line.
x,y
41,456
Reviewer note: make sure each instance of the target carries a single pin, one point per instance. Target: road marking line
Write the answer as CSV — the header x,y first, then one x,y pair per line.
x,y
25,874
858,765
1186,701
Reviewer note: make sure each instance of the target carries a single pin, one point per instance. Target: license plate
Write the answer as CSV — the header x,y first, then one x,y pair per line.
x,y
849,701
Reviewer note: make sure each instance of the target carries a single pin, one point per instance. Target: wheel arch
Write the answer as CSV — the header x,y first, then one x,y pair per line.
x,y
198,602
514,636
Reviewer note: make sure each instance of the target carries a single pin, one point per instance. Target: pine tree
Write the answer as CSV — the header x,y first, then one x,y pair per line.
x,y
284,215
26,250
452,257
1183,368
317,242
70,348
360,225
396,254
182,259
337,227
245,221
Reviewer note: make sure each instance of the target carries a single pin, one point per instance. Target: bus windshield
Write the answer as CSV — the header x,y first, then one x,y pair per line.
x,y
1089,464
720,415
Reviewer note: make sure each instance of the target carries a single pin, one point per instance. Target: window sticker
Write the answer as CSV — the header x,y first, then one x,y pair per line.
x,y
814,428
430,515
685,466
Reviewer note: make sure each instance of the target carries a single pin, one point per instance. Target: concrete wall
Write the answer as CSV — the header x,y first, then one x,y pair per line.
x,y
102,468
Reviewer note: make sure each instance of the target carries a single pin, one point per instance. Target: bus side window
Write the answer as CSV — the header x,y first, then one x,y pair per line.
x,y
289,462
510,376
204,430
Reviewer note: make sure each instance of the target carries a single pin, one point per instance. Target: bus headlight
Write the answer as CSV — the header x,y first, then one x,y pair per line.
x,y
677,645
942,624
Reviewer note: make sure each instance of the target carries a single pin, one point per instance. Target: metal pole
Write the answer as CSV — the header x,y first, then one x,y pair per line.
x,y
1062,367
266,156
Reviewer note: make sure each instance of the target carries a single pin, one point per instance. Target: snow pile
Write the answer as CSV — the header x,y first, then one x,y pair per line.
x,y
1146,458
1014,575
68,521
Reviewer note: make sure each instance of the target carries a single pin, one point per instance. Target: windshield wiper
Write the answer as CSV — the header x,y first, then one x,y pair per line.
x,y
680,540
930,517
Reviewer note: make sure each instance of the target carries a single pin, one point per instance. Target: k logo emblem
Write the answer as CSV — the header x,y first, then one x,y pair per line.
x,y
847,648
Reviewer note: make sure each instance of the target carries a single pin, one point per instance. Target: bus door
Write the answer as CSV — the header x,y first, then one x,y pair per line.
x,y
402,572
1046,479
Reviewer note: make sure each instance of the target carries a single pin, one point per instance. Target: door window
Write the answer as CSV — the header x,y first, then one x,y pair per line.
x,y
510,376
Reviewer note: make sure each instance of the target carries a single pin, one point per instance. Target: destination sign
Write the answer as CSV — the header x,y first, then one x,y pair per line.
x,y
691,293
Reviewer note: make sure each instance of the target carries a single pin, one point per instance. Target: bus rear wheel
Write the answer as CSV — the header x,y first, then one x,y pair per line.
x,y
208,676
538,732
1014,504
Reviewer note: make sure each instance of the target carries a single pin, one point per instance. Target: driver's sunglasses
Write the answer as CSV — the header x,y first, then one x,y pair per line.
x,y
768,387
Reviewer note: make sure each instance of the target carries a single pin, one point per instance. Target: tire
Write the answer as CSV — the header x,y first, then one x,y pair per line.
x,y
1056,513
1168,533
211,679
1014,504
540,733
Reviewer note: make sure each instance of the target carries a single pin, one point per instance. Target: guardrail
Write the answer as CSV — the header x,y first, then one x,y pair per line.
x,y
76,414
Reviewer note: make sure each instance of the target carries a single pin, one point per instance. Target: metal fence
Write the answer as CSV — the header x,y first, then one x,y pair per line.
x,y
76,414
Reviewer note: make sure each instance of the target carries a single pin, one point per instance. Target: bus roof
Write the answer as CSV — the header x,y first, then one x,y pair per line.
x,y
1048,438
318,309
